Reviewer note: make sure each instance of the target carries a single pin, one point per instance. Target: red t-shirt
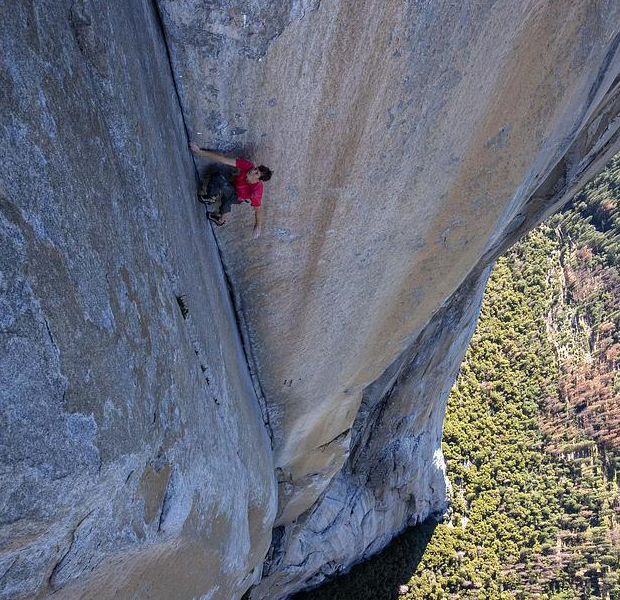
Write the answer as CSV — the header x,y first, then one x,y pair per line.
x,y
245,190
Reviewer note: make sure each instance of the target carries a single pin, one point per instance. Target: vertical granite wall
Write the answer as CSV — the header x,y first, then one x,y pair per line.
x,y
134,461
411,143
408,141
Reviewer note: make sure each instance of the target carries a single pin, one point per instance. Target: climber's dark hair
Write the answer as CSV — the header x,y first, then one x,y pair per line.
x,y
265,173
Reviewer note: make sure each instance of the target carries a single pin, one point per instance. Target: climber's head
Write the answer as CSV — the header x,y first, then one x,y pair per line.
x,y
261,173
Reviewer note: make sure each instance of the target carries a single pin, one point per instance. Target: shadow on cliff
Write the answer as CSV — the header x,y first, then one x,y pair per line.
x,y
379,577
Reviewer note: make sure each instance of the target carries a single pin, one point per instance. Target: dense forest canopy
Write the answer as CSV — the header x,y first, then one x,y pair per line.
x,y
532,431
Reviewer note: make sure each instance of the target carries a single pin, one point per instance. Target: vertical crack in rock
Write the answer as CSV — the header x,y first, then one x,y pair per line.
x,y
248,354
49,332
167,501
91,114
162,29
239,318
61,561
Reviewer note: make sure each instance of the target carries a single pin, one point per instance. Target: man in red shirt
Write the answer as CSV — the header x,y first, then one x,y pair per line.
x,y
247,186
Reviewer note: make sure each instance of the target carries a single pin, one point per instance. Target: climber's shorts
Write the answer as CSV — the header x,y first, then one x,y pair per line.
x,y
220,186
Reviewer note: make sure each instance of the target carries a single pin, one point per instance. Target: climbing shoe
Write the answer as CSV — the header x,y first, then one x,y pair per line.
x,y
215,218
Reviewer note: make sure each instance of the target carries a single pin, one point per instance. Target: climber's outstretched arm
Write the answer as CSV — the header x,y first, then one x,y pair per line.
x,y
212,155
258,221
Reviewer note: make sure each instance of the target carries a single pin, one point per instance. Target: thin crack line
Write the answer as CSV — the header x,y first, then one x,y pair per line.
x,y
49,332
239,319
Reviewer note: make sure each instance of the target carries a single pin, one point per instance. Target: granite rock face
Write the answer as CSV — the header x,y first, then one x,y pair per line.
x,y
411,143
134,461
395,473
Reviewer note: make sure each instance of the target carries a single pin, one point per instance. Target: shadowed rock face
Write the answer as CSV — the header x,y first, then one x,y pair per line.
x,y
133,457
411,143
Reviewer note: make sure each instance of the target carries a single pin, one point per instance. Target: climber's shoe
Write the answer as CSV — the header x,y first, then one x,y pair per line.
x,y
216,219
206,199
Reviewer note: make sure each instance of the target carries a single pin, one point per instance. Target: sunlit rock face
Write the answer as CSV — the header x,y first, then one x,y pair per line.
x,y
411,142
395,472
134,462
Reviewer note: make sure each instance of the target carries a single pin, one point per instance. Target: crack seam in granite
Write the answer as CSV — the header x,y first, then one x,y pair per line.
x,y
59,563
239,318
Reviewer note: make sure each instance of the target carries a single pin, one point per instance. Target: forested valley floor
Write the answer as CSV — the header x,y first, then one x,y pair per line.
x,y
532,431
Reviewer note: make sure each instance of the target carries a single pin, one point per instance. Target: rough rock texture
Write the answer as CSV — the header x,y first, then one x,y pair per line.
x,y
411,143
395,472
134,461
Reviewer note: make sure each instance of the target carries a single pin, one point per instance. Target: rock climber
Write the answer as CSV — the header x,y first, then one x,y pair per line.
x,y
247,186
